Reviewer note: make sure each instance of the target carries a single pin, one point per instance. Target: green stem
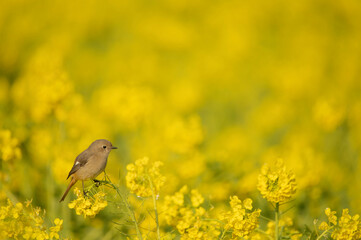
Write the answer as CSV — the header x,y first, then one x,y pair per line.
x,y
223,234
155,207
324,233
315,229
130,212
277,213
266,218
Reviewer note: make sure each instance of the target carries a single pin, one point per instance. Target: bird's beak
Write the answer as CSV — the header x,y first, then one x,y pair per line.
x,y
114,148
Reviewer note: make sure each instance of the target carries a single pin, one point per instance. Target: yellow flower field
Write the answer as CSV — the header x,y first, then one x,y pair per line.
x,y
233,119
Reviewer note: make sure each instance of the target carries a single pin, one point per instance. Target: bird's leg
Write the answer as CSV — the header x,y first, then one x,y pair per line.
x,y
105,176
83,188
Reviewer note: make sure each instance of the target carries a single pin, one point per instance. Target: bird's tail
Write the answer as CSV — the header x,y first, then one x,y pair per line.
x,y
72,182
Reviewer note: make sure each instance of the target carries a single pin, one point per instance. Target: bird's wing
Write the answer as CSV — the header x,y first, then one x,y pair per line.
x,y
79,162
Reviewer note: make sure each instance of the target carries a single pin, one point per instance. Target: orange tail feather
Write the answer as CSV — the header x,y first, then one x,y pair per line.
x,y
72,182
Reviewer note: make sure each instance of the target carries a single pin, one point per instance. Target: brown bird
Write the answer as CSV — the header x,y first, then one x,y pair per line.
x,y
90,163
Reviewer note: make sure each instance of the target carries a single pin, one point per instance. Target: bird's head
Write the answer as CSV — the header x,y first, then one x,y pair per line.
x,y
102,145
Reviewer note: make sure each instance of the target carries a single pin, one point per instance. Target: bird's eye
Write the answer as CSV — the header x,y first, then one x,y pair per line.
x,y
104,147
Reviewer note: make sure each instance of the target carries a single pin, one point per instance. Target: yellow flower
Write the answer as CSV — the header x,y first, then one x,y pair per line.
x,y
187,216
247,204
241,220
28,233
17,210
323,226
331,216
276,185
196,198
54,230
348,227
144,178
23,220
88,207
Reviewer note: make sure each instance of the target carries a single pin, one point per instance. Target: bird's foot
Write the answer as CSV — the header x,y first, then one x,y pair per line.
x,y
97,182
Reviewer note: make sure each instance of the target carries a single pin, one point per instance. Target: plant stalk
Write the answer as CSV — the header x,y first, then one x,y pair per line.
x,y
130,212
277,213
155,207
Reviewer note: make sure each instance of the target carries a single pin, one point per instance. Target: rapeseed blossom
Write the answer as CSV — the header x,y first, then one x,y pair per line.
x,y
276,184
144,178
88,206
189,216
54,230
347,227
24,221
241,220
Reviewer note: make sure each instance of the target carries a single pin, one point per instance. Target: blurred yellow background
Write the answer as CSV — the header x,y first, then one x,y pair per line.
x,y
212,88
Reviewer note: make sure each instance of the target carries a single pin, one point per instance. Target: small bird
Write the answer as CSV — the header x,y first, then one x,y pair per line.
x,y
90,163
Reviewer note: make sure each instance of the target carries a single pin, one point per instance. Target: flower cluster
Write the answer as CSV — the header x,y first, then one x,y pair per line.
x,y
144,178
276,184
88,207
240,220
23,221
347,227
9,146
183,210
